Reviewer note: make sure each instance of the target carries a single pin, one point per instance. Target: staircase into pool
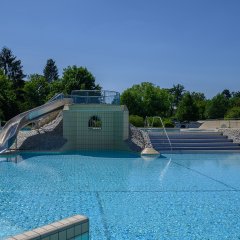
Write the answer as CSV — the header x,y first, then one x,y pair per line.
x,y
192,141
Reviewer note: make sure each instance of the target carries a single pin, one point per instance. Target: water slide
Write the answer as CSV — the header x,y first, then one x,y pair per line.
x,y
11,128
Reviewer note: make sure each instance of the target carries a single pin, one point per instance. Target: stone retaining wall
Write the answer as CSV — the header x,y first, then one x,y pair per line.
x,y
231,133
138,139
47,138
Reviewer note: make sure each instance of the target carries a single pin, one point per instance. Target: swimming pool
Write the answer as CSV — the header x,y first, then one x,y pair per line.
x,y
179,196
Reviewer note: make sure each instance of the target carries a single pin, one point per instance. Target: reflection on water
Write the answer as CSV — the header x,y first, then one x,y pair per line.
x,y
207,160
176,194
165,169
11,158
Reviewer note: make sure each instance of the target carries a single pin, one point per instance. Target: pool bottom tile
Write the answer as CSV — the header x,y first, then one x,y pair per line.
x,y
191,215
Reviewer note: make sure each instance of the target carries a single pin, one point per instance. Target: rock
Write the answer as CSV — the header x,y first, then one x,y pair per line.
x,y
138,139
149,153
231,133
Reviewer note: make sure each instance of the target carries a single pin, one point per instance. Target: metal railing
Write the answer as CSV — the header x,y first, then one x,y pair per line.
x,y
95,97
9,132
57,96
150,127
90,97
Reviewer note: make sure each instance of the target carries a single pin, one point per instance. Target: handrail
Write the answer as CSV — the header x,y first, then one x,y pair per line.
x,y
162,126
166,133
56,96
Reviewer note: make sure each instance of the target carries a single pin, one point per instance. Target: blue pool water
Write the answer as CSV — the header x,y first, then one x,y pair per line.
x,y
179,196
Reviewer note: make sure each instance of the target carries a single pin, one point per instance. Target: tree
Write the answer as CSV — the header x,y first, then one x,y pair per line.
x,y
217,107
235,101
133,101
11,67
226,93
177,91
187,109
233,113
77,78
7,98
50,71
200,101
55,87
236,94
145,99
36,91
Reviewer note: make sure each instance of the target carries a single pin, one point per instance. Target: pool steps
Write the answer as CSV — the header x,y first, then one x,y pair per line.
x,y
188,141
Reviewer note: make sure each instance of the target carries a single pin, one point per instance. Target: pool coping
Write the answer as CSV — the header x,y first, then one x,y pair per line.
x,y
68,228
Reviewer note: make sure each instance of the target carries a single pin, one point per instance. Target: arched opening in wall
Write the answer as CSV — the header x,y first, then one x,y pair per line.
x,y
95,122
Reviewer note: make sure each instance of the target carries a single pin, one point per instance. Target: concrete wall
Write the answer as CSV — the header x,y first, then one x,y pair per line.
x,y
111,135
220,124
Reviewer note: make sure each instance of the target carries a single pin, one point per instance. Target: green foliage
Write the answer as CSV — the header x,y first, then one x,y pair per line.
x,y
168,123
236,94
1,116
55,87
200,101
154,122
145,99
233,113
94,122
217,107
11,67
177,92
36,91
77,78
226,93
234,101
187,109
136,121
50,71
7,98
132,100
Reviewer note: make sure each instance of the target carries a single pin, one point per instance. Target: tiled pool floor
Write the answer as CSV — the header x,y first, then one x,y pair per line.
x,y
179,196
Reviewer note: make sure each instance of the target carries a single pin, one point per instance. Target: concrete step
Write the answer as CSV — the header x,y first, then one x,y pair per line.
x,y
185,141
180,136
196,140
199,148
185,133
222,144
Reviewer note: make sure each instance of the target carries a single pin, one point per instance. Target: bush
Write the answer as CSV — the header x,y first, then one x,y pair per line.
x,y
156,122
1,116
168,123
136,120
233,113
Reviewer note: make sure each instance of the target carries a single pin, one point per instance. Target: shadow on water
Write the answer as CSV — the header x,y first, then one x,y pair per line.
x,y
21,156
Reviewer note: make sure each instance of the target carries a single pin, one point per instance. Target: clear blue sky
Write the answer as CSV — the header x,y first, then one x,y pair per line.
x,y
192,42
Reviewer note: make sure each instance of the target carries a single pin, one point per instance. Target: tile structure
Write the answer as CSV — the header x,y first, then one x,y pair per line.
x,y
111,135
73,228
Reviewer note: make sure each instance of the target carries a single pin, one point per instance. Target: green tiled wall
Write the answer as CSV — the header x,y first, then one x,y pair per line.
x,y
114,130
